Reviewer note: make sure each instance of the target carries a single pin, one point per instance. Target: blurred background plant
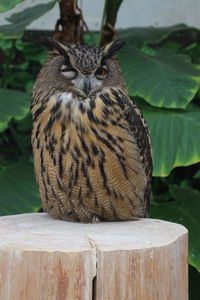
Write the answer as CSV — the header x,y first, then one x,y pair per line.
x,y
161,67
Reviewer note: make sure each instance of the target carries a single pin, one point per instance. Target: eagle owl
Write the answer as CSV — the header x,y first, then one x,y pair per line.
x,y
91,145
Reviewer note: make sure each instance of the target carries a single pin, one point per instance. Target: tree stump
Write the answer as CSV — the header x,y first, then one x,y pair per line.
x,y
46,259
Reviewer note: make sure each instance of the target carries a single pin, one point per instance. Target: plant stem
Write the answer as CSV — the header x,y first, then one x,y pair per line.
x,y
102,23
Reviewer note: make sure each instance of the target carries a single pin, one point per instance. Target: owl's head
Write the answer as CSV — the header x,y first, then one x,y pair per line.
x,y
81,69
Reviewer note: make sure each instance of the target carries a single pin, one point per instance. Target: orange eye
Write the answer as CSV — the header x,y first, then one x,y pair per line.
x,y
101,72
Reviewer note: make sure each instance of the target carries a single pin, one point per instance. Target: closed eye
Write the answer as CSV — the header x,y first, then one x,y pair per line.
x,y
68,72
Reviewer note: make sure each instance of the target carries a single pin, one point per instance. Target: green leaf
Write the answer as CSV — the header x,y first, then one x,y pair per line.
x,y
164,80
13,104
184,210
175,136
197,174
18,190
140,36
19,21
8,4
110,11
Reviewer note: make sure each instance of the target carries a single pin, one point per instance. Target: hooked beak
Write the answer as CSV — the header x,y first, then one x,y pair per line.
x,y
87,86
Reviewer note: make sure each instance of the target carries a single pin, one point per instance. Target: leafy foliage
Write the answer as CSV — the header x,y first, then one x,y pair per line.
x,y
184,210
8,4
18,190
19,21
164,80
140,36
176,130
13,104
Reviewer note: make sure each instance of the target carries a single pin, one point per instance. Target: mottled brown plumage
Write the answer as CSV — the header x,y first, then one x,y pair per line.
x,y
90,142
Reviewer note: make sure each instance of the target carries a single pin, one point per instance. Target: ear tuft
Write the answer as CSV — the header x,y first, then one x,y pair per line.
x,y
112,48
52,44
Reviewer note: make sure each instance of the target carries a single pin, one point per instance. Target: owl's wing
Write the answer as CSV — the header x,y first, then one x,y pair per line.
x,y
138,128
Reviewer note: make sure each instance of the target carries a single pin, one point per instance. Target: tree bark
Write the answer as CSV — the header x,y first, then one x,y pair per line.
x,y
69,28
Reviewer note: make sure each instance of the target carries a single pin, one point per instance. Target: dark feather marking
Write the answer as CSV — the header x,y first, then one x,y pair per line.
x,y
92,104
120,139
86,150
122,164
63,129
83,144
103,174
106,112
91,116
59,185
59,202
62,149
119,98
42,160
76,149
45,187
103,140
102,122
38,112
38,144
51,149
56,107
106,100
80,196
48,180
68,144
112,139
76,176
94,149
60,164
71,179
42,173
115,194
37,130
82,108
85,173
96,201
115,123
49,124
58,115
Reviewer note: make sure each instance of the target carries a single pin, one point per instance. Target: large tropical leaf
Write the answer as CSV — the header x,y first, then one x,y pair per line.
x,y
164,80
19,21
175,136
18,190
8,4
140,36
186,211
13,104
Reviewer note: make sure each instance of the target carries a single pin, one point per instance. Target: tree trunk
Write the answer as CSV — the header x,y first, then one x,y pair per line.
x,y
69,28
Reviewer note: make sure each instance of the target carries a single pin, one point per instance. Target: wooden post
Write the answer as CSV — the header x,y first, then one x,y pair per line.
x,y
46,259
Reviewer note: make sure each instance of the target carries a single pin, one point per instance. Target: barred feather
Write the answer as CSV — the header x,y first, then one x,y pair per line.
x,y
92,158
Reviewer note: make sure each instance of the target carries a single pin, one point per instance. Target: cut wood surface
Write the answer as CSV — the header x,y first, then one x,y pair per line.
x,y
46,259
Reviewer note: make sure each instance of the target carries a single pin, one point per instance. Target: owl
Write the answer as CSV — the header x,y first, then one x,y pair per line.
x,y
91,145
